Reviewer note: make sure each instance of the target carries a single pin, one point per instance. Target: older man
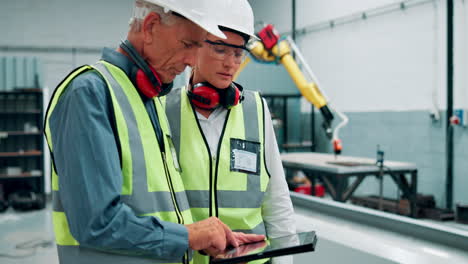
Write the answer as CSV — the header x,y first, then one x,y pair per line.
x,y
118,196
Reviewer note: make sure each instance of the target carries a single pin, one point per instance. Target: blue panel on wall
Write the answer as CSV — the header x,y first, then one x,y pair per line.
x,y
2,74
267,78
38,73
9,72
20,72
29,72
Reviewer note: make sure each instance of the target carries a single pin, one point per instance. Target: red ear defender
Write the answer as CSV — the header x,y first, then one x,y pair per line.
x,y
233,95
145,85
205,96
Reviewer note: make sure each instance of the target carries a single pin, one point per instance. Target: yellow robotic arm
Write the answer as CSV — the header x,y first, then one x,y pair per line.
x,y
283,51
272,49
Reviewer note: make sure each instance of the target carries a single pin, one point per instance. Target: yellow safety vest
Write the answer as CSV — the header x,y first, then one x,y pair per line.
x,y
152,185
232,185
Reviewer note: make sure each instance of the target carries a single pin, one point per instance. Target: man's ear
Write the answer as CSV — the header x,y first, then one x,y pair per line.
x,y
150,25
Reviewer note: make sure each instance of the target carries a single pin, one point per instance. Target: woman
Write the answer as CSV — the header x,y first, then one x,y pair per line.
x,y
224,138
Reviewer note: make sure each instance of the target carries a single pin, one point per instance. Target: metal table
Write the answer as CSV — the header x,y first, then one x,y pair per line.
x,y
336,172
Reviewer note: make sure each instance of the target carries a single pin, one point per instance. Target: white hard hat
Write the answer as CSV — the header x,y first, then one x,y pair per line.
x,y
200,12
237,15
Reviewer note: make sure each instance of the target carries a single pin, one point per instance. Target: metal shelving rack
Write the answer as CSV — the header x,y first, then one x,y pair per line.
x,y
278,104
21,141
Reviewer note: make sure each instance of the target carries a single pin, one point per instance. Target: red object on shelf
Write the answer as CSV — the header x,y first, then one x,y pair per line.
x,y
454,120
20,133
22,175
21,154
307,189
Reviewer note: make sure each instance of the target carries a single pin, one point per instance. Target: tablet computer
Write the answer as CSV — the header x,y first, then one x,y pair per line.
x,y
272,247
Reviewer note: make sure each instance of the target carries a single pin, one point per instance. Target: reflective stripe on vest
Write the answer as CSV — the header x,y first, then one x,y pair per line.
x,y
239,196
79,255
151,184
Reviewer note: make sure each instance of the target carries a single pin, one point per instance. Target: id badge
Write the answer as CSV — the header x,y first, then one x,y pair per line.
x,y
245,156
173,153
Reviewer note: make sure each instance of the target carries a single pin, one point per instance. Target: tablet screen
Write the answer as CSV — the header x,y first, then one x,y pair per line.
x,y
272,247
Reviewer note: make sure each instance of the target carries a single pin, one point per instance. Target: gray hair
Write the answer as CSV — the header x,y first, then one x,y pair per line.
x,y
143,8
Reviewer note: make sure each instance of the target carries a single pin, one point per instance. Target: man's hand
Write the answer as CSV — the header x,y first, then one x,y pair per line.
x,y
210,235
243,238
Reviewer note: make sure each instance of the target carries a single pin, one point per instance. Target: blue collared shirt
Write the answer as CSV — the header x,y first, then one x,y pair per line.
x,y
87,159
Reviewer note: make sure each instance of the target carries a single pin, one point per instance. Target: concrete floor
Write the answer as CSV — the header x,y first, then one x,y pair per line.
x,y
342,241
20,227
339,241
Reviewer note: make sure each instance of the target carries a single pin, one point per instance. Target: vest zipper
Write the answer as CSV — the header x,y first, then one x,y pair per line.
x,y
180,218
220,142
212,186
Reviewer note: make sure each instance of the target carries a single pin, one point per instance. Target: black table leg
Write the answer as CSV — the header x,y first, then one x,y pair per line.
x,y
414,193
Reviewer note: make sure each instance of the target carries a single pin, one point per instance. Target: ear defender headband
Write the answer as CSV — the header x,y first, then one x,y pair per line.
x,y
144,76
206,96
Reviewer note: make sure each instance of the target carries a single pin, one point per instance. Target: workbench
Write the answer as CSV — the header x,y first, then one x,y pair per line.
x,y
336,172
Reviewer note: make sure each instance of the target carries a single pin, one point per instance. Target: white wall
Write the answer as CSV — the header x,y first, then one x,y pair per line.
x,y
63,23
310,12
382,63
461,54
276,12
391,62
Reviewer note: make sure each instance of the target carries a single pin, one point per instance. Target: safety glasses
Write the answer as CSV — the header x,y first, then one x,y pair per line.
x,y
221,51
